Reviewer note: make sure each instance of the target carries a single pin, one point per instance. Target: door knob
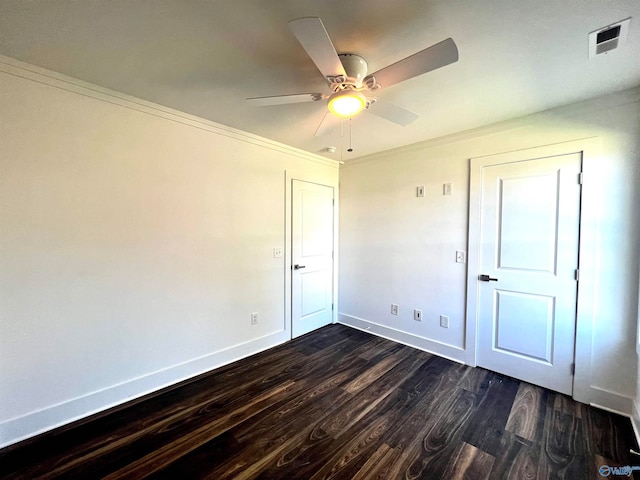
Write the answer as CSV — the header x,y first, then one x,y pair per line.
x,y
486,278
298,267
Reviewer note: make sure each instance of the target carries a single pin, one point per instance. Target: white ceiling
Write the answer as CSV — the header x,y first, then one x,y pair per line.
x,y
205,57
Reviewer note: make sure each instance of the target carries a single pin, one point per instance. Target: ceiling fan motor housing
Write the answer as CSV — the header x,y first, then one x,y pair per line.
x,y
356,68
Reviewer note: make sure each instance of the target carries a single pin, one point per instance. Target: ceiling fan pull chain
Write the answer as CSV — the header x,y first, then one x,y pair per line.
x,y
350,149
341,139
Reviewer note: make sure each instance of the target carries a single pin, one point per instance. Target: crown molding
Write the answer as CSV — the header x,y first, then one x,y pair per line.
x,y
17,68
595,104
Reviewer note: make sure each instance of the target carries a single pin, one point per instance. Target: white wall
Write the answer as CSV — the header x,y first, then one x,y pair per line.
x,y
635,417
135,242
397,248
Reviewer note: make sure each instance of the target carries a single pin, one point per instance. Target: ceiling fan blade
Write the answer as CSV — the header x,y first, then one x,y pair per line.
x,y
424,61
393,113
285,99
314,38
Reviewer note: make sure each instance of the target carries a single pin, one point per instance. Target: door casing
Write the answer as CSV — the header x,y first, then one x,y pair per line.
x,y
589,148
329,312
289,176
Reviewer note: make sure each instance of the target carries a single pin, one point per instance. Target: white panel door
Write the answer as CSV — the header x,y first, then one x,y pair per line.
x,y
528,259
311,257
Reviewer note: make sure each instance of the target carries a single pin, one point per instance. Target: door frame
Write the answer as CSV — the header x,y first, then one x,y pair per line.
x,y
587,251
288,242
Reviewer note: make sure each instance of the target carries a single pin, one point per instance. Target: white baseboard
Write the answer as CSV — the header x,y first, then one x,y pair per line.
x,y
605,400
443,350
34,423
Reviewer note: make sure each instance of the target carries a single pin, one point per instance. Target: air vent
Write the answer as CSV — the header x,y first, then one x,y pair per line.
x,y
608,38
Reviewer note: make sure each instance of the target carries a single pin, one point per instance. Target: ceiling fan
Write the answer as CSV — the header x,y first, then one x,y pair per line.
x,y
348,77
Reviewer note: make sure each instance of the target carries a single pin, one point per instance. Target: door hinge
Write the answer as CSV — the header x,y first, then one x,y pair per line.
x,y
580,178
573,369
332,307
577,274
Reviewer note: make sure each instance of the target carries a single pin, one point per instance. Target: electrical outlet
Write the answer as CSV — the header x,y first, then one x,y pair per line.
x,y
394,309
420,191
277,252
444,321
417,315
460,256
254,318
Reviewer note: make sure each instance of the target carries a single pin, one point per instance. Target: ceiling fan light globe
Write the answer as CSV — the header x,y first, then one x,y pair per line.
x,y
347,103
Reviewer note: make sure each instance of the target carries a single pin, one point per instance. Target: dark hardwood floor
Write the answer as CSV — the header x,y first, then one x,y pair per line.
x,y
337,403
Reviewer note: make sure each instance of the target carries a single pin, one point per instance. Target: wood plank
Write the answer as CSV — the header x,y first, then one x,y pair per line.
x,y
278,426
378,465
173,451
341,456
567,405
473,379
298,449
563,434
197,463
486,426
372,374
368,398
378,347
439,437
339,431
434,383
518,459
562,447
568,466
527,415
325,337
355,452
469,463
300,409
264,439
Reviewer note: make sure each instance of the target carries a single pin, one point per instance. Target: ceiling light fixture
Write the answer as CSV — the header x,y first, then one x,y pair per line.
x,y
347,103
